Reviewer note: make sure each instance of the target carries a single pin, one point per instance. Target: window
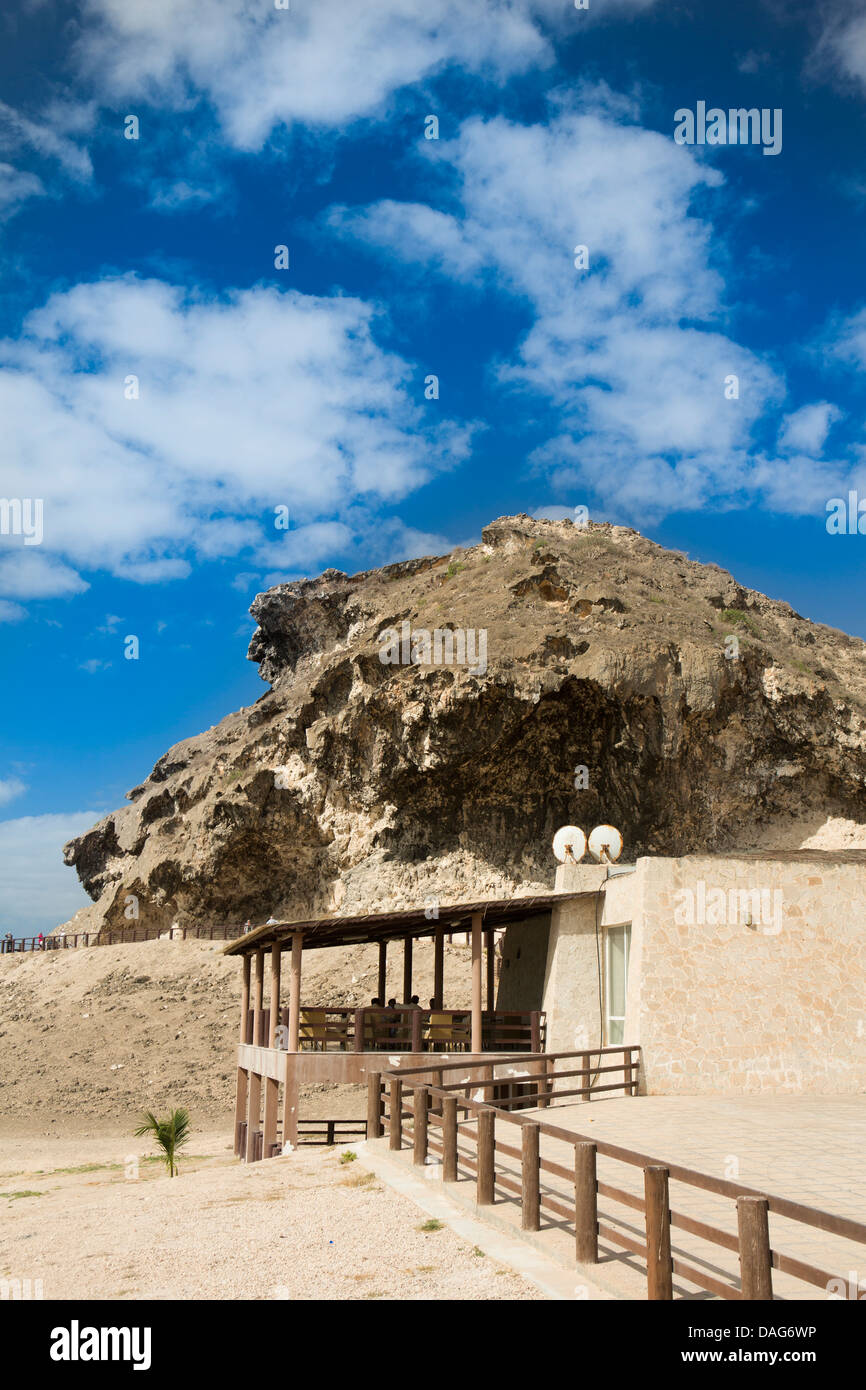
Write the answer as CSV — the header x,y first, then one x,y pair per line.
x,y
616,946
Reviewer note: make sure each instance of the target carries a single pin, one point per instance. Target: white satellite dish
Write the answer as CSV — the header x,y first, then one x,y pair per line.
x,y
605,844
569,844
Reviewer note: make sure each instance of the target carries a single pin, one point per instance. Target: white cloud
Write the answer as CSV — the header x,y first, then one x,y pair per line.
x,y
806,430
11,612
33,574
259,399
53,136
16,186
37,890
322,63
632,350
10,787
842,47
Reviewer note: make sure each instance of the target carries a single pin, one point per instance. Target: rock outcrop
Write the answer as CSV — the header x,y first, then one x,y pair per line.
x,y
594,677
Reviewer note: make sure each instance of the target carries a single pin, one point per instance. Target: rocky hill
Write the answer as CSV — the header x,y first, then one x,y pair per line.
x,y
595,677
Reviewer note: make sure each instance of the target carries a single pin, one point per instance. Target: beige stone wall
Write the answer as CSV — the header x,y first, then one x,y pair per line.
x,y
723,1007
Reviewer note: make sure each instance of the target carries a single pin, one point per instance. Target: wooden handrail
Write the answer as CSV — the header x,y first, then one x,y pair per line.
x,y
752,1243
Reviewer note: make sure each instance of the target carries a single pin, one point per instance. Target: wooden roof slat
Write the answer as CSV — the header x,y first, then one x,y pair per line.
x,y
377,926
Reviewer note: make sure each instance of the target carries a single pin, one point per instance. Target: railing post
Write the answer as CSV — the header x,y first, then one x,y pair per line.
x,y
449,1139
486,1182
585,1204
395,1122
415,1030
584,1081
419,1132
530,1210
374,1105
756,1268
535,1031
359,1029
659,1268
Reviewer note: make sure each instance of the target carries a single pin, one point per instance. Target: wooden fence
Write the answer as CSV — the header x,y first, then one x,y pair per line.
x,y
73,940
434,1126
408,1029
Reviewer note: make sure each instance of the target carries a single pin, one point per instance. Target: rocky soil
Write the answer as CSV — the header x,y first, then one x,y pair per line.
x,y
706,715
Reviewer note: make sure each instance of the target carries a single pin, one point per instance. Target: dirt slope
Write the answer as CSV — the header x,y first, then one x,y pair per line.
x,y
90,1037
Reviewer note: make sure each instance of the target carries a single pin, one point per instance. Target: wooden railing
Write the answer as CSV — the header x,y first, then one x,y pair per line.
x,y
117,936
407,1029
438,1106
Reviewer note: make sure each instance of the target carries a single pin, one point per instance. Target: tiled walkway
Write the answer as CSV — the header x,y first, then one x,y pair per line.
x,y
804,1148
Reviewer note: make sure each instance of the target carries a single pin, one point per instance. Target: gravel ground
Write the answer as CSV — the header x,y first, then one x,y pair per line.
x,y
308,1226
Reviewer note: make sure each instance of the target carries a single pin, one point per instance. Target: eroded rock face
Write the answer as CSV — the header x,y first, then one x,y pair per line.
x,y
354,784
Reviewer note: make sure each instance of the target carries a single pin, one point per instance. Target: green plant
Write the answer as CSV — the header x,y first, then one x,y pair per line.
x,y
170,1135
739,615
431,1225
348,1157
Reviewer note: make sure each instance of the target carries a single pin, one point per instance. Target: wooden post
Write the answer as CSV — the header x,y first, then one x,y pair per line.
x,y
269,1128
585,1080
449,1139
360,1015
475,1043
486,1185
438,966
381,991
290,1104
243,1075
275,994
395,1105
660,1272
585,1204
756,1268
542,1067
419,1144
258,1000
295,992
407,969
254,1103
491,969
530,1207
535,1031
374,1105
415,1021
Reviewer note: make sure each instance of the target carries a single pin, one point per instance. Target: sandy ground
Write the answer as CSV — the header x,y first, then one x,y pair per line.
x,y
96,1218
90,1037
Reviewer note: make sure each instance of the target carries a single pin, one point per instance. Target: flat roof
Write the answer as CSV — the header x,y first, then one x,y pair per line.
x,y
386,926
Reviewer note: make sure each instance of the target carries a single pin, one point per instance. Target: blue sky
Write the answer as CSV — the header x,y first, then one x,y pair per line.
x,y
257,388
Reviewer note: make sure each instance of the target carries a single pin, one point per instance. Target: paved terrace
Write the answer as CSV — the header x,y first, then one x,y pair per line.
x,y
805,1148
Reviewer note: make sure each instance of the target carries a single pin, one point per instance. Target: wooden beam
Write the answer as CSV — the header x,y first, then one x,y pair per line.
x,y
438,966
258,999
658,1233
491,968
295,991
407,969
245,1000
275,995
476,982
383,968
290,1104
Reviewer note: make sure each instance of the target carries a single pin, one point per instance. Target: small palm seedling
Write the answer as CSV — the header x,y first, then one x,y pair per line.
x,y
170,1135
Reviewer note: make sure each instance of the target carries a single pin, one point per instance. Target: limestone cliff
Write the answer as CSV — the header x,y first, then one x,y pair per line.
x,y
706,716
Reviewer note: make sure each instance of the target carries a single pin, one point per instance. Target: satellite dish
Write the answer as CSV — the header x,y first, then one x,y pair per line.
x,y
605,844
569,844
